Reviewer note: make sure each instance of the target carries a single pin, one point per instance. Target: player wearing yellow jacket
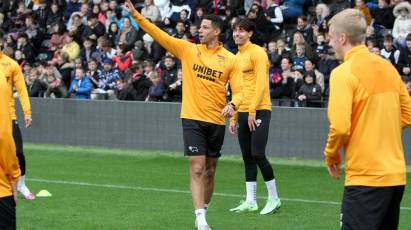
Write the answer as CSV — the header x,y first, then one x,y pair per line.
x,y
368,108
9,167
12,70
207,68
253,118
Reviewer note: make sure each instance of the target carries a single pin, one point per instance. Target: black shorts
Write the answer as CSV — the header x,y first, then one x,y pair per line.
x,y
371,208
254,143
202,138
18,139
7,213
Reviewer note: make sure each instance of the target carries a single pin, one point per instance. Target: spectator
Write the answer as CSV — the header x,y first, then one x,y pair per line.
x,y
299,58
280,52
170,70
20,58
26,48
56,41
174,90
404,61
174,14
370,35
298,78
108,78
141,86
283,87
325,64
94,73
115,8
41,15
184,18
54,16
305,29
274,17
322,13
71,47
309,93
157,89
148,66
123,59
87,51
127,35
198,17
94,28
150,11
65,67
76,28
193,34
360,5
383,16
112,33
402,24
31,28
309,66
35,87
81,86
389,52
55,87
180,31
256,15
138,51
298,39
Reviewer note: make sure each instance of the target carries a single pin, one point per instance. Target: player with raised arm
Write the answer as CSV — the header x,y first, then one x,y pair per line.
x,y
207,68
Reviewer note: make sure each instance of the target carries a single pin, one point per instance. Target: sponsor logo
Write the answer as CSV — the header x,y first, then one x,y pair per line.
x,y
193,149
258,121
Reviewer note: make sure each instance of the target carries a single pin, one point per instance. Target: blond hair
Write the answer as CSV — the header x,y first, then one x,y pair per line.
x,y
352,23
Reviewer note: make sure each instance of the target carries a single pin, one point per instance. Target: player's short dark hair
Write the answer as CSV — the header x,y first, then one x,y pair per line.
x,y
245,24
408,38
216,21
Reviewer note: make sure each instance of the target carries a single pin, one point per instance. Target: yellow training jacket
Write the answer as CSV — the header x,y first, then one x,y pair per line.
x,y
11,70
368,108
9,166
254,65
205,75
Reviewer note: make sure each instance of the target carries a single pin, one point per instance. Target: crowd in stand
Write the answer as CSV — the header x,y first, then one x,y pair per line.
x,y
95,50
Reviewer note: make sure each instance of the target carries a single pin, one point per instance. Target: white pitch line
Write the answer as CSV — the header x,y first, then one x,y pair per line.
x,y
177,191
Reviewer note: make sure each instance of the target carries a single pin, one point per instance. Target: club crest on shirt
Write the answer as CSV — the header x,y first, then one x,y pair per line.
x,y
221,60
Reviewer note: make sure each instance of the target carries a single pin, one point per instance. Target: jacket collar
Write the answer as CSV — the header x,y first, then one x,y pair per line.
x,y
244,47
355,50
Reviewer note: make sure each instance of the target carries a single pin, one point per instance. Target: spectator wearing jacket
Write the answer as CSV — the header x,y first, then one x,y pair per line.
x,y
127,34
404,61
35,87
157,90
309,66
389,52
80,87
309,93
108,78
402,23
274,17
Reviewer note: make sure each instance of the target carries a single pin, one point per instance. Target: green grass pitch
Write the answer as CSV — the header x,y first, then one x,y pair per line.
x,y
113,189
